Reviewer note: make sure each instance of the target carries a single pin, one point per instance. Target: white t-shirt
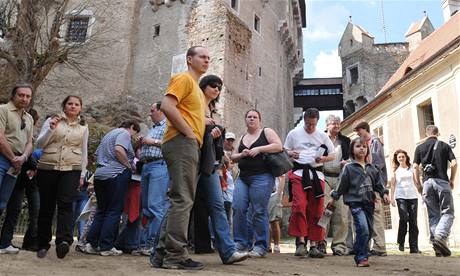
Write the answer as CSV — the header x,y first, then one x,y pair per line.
x,y
404,186
309,147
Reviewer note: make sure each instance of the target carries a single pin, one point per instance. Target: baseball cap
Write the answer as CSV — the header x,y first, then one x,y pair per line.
x,y
230,135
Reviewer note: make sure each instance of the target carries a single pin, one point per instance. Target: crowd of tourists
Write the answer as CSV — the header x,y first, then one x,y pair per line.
x,y
190,184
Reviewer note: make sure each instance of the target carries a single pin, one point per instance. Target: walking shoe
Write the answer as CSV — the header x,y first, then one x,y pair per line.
x,y
146,251
377,253
237,257
363,263
415,251
41,253
301,250
437,253
270,250
62,249
255,254
111,252
188,264
401,247
9,250
322,247
337,252
315,253
276,249
440,245
89,249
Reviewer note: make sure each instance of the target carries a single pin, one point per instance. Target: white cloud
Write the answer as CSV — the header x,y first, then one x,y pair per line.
x,y
325,22
327,64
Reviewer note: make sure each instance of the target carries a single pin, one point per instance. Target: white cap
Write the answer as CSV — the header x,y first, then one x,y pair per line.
x,y
230,135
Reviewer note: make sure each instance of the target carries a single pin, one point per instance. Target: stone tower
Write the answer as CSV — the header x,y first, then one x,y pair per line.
x,y
255,46
366,66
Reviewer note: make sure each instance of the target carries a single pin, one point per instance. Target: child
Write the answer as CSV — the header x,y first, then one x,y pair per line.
x,y
358,182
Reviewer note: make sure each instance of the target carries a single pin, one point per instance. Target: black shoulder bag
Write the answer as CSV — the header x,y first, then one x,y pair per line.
x,y
430,169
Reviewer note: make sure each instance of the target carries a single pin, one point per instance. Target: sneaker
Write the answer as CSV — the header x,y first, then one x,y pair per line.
x,y
237,257
41,253
111,252
62,249
377,253
255,254
276,249
322,247
363,263
440,245
301,250
89,249
315,253
146,251
9,250
188,264
401,247
270,250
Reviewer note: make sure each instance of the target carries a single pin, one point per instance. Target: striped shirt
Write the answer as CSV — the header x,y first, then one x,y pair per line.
x,y
107,164
156,132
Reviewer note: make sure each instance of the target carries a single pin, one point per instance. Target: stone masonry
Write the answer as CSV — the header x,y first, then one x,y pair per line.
x,y
258,67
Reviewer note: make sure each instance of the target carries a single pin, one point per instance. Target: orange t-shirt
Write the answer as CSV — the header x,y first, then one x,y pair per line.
x,y
191,105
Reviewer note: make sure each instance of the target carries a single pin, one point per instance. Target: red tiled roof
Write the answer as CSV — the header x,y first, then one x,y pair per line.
x,y
428,48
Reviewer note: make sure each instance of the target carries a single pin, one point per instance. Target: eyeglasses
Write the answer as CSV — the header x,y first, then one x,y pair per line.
x,y
23,123
214,85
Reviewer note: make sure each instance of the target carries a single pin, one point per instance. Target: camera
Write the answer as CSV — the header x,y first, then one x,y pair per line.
x,y
429,169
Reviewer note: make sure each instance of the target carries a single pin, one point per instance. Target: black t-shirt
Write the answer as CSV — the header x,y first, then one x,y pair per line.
x,y
253,165
442,155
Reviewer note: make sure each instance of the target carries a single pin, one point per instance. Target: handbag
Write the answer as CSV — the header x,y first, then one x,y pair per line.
x,y
278,163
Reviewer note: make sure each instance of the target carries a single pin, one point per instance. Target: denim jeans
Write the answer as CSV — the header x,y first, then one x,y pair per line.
x,y
252,190
363,216
78,206
110,194
154,186
7,183
209,187
13,210
407,209
437,195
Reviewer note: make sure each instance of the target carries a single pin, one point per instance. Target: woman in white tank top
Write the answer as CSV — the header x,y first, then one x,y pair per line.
x,y
404,193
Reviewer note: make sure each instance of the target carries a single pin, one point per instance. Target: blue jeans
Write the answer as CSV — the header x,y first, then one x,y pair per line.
x,y
210,189
252,190
437,195
154,186
363,218
78,206
7,183
110,194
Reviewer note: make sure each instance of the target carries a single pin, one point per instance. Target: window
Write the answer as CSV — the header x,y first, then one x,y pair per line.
x,y
353,75
77,29
234,4
256,23
156,30
425,116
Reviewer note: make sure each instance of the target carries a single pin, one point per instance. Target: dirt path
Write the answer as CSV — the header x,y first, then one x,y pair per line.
x,y
78,264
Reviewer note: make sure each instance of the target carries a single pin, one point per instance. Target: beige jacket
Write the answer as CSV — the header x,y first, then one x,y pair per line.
x,y
65,148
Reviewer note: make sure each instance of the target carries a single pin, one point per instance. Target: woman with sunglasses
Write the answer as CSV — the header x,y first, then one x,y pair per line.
x,y
61,170
209,201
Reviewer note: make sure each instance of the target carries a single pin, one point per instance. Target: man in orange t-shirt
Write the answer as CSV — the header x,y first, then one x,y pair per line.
x,y
183,105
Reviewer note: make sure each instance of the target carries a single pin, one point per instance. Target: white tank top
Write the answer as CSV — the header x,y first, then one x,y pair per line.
x,y
404,187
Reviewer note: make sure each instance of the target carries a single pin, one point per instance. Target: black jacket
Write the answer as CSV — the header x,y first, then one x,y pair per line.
x,y
345,145
358,184
212,150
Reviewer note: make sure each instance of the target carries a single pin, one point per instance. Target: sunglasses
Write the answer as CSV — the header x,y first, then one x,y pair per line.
x,y
23,123
214,85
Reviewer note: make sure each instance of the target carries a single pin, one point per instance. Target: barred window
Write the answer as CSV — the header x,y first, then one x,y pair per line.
x,y
77,29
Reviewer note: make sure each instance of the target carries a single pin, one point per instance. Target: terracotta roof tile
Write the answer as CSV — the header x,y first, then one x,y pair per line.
x,y
428,48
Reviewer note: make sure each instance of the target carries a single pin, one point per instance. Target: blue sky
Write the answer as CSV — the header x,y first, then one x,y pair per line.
x,y
326,21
